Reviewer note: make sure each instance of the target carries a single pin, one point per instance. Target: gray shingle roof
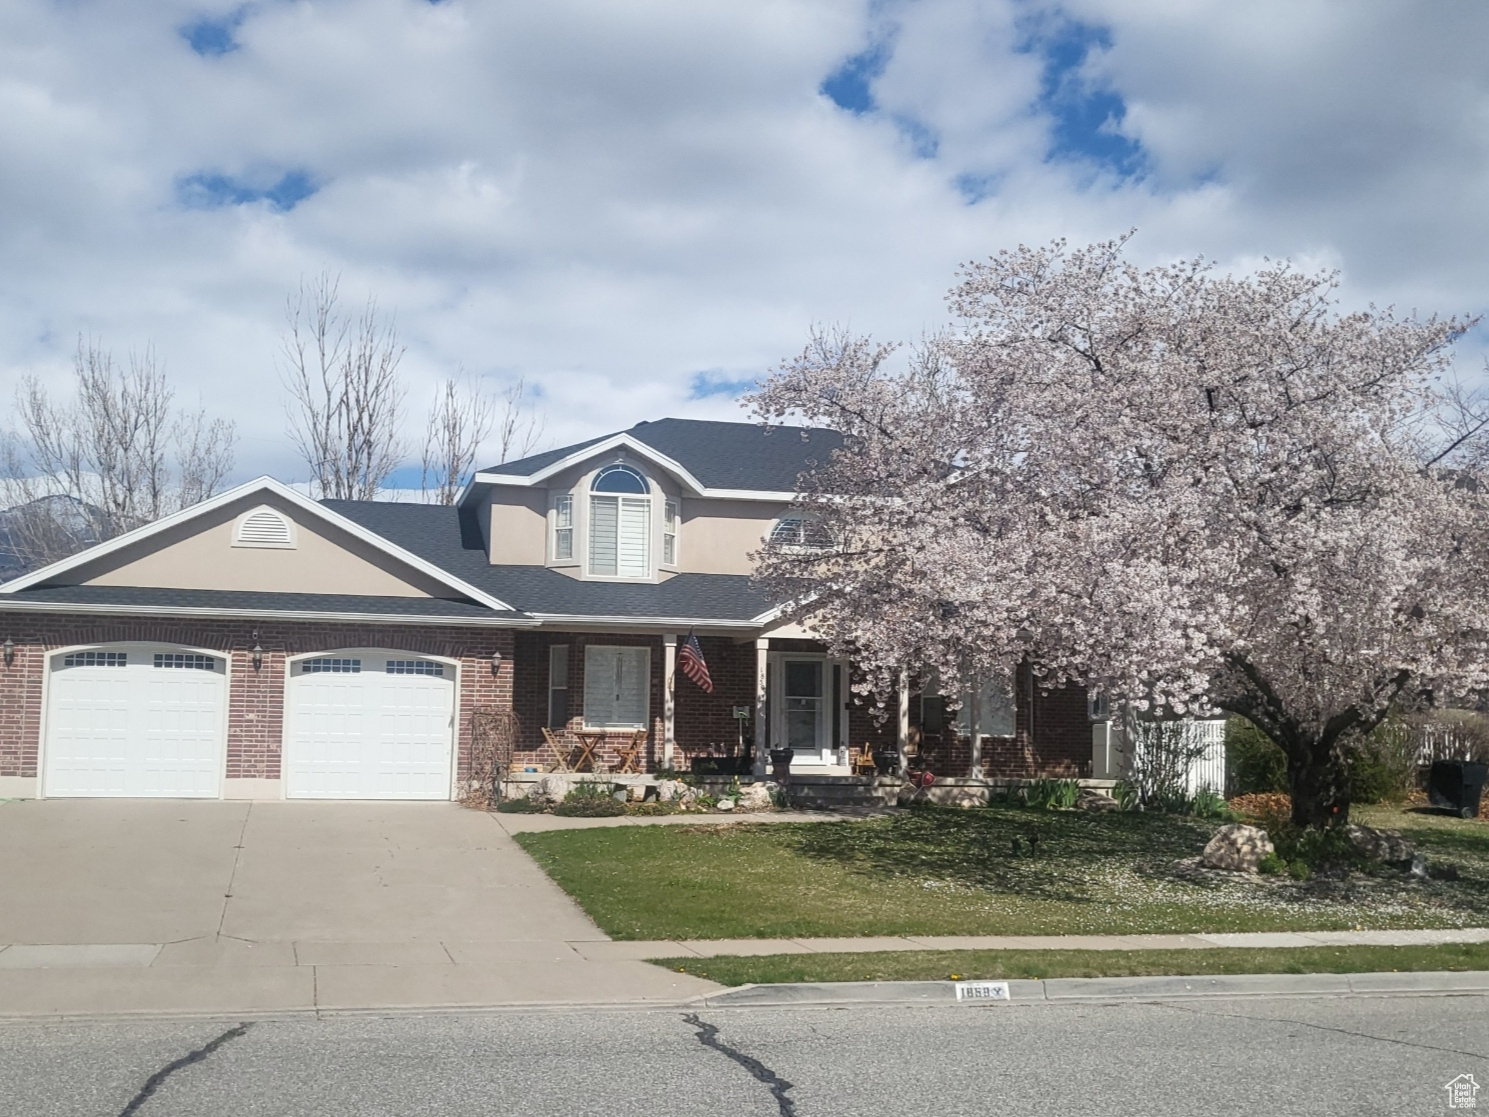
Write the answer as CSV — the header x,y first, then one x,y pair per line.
x,y
450,538
228,601
721,455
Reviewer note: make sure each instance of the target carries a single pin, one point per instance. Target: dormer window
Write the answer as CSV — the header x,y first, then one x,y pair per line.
x,y
264,527
620,525
801,531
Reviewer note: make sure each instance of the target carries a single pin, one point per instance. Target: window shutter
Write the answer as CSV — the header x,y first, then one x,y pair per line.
x,y
603,532
635,538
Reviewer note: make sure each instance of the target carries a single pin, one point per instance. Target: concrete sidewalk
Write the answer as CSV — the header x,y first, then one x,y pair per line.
x,y
713,948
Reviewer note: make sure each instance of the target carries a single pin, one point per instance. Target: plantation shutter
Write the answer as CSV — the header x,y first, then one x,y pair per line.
x,y
616,684
635,538
604,516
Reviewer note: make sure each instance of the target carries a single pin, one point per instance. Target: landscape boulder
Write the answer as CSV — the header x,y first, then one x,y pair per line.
x,y
1381,845
552,789
755,797
1093,800
668,790
1236,848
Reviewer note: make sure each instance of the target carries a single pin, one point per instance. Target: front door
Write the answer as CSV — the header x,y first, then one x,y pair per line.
x,y
804,712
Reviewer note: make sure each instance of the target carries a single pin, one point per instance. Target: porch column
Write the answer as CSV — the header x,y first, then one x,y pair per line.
x,y
974,723
762,731
902,736
669,699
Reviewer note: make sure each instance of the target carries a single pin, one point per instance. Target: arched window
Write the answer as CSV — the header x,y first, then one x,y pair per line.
x,y
620,524
619,479
800,530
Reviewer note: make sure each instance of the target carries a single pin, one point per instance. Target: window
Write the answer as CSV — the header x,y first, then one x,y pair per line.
x,y
264,527
620,536
617,684
800,531
186,660
96,659
563,528
331,667
619,479
558,686
415,667
995,709
669,533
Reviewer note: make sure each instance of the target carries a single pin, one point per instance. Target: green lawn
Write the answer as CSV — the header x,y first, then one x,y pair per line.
x,y
953,872
942,965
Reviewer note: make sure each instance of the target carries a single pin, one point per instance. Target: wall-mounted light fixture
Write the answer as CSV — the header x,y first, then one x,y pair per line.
x,y
258,652
496,662
9,649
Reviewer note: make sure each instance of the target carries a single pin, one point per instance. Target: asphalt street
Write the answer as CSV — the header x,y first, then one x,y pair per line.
x,y
1258,1057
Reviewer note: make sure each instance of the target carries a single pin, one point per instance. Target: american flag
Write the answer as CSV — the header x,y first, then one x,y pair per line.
x,y
690,659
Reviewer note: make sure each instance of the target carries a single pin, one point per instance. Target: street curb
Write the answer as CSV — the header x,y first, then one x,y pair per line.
x,y
1065,989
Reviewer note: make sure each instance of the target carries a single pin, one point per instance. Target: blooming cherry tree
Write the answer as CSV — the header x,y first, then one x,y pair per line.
x,y
1185,490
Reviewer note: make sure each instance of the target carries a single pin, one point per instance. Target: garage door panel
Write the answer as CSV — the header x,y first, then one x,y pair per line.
x,y
134,729
372,733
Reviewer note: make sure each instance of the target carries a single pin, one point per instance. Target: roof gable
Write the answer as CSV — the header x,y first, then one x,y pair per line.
x,y
131,545
742,460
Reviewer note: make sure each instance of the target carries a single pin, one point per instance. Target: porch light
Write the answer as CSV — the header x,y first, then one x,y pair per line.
x,y
496,662
258,652
9,648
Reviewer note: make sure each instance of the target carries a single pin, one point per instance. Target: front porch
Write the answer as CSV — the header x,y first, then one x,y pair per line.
x,y
612,690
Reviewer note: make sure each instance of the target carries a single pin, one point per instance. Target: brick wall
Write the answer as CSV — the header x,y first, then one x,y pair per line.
x,y
255,698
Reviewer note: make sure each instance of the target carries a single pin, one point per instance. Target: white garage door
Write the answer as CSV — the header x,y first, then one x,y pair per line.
x,y
135,720
369,725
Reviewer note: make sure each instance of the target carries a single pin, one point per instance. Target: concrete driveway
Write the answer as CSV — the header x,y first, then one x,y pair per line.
x,y
174,905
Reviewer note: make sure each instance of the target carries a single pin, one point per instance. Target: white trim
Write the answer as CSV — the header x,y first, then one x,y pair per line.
x,y
570,620
219,611
623,440
260,484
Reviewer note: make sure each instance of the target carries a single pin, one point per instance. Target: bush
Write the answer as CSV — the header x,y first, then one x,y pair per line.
x,y
1270,811
520,806
1253,762
1271,865
1209,804
1125,793
1383,767
590,800
1052,794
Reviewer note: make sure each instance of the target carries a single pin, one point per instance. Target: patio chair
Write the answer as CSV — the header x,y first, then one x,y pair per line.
x,y
863,763
560,751
628,755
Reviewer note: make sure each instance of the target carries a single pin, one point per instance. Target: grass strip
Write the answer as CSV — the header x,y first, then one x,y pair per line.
x,y
943,965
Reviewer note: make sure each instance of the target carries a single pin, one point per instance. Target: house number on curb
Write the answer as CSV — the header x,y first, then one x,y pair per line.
x,y
982,991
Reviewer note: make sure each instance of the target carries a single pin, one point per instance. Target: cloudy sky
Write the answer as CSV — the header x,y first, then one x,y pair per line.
x,y
639,205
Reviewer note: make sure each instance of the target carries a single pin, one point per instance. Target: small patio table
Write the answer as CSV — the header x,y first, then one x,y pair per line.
x,y
590,741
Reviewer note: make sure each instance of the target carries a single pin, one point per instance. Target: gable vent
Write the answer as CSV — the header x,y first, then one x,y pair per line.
x,y
264,527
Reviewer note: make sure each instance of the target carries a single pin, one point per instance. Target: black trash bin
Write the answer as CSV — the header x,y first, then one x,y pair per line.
x,y
1457,785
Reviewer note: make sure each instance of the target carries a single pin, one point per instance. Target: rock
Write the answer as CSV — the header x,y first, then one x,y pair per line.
x,y
686,796
1381,845
1093,800
725,804
553,789
755,797
1237,848
667,790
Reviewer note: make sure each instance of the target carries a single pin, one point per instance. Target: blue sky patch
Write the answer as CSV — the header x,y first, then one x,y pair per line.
x,y
212,36
705,385
1085,116
850,86
214,191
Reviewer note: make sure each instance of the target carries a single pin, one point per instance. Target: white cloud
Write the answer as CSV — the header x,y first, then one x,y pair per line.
x,y
611,197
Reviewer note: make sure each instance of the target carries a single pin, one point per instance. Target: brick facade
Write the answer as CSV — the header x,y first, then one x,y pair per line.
x,y
255,697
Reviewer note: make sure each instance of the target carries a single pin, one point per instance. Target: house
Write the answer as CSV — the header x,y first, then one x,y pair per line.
x,y
264,645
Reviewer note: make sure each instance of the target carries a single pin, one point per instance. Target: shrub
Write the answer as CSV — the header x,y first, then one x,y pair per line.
x,y
1253,762
1271,865
1052,794
1208,803
1384,765
520,806
1126,795
590,800
1270,811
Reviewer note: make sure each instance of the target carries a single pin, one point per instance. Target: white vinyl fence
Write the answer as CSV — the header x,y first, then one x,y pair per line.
x,y
1208,770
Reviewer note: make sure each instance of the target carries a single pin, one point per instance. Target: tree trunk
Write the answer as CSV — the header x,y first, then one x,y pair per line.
x,y
1319,779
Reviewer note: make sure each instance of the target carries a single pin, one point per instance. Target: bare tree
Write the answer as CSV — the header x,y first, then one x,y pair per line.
x,y
459,422
520,426
342,374
117,456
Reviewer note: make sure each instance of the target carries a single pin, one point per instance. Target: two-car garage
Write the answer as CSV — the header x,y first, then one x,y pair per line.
x,y
145,720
